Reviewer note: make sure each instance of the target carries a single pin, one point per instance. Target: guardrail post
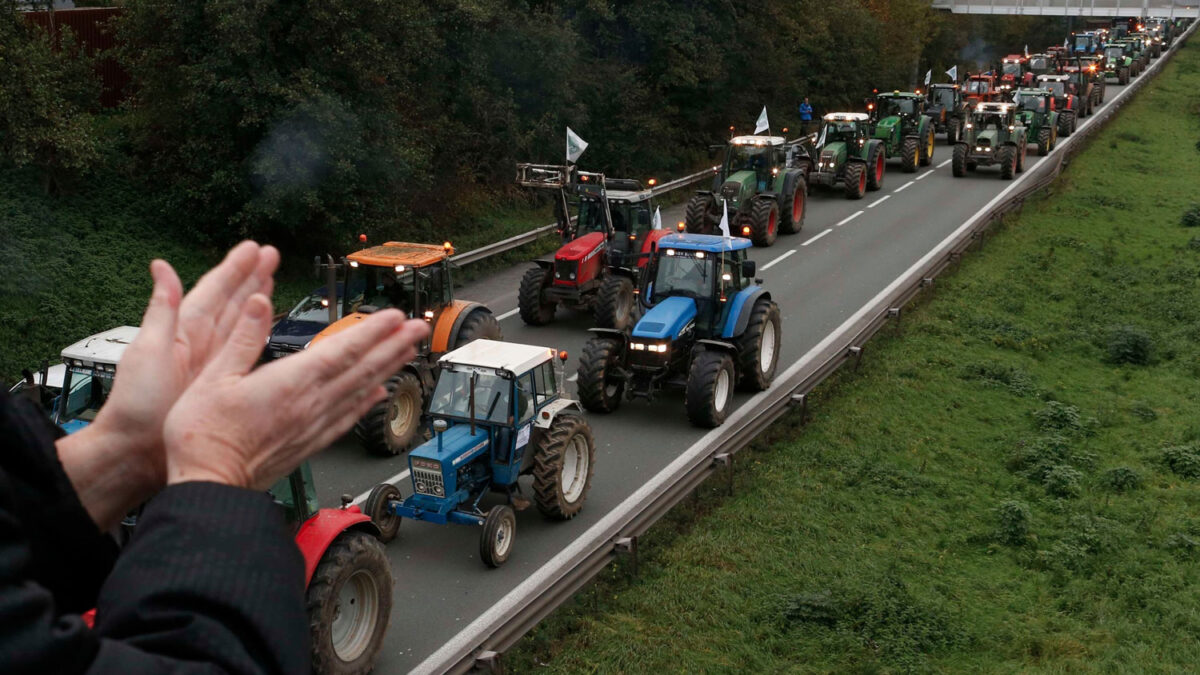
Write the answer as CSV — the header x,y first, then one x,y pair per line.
x,y
894,313
628,546
489,662
856,354
802,399
725,459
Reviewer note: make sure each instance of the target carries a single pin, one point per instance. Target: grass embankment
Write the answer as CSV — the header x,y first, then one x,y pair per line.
x,y
77,264
1010,482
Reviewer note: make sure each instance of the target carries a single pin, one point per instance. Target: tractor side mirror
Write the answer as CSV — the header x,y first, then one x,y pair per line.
x,y
440,425
749,267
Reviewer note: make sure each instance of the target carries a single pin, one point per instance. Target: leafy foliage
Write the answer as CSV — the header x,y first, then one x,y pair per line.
x,y
1129,344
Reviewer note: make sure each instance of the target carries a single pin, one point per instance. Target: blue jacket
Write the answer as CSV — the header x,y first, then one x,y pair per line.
x,y
806,112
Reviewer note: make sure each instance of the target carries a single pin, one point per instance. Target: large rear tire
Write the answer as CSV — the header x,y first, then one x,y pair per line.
x,y
534,309
480,324
854,180
563,464
953,130
1043,141
599,390
699,216
393,425
791,213
710,384
616,305
910,152
927,147
764,222
758,348
349,602
876,165
958,166
1066,123
1021,151
1007,156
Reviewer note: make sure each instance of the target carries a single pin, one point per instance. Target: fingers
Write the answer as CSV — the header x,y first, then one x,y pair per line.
x,y
382,360
211,293
245,343
260,280
340,418
158,323
336,354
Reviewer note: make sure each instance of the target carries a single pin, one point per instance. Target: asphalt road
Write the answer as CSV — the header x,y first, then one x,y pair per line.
x,y
847,252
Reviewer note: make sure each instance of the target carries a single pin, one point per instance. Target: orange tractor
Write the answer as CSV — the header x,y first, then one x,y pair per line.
x,y
981,88
414,278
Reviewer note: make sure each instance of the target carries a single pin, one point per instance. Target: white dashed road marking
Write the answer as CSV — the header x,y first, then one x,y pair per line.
x,y
779,259
817,237
903,186
879,201
849,218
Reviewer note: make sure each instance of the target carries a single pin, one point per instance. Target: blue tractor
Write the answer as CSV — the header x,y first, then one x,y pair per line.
x,y
498,414
708,326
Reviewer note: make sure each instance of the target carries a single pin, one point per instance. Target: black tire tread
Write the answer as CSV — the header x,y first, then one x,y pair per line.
x,y
533,311
598,353
749,377
321,597
547,466
698,397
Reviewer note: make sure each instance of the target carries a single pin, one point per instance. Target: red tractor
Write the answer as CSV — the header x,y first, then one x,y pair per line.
x,y
980,88
1015,72
347,579
605,244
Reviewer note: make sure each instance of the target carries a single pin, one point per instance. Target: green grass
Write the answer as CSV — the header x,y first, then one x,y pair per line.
x,y
1009,483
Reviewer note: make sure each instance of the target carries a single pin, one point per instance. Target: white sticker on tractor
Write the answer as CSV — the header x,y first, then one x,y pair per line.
x,y
523,436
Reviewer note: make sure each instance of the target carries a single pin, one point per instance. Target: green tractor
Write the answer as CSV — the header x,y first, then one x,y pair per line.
x,y
993,135
946,106
763,181
898,119
1035,111
847,154
1118,63
1137,51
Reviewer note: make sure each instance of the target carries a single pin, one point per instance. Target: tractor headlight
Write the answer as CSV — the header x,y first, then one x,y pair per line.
x,y
572,276
438,490
660,348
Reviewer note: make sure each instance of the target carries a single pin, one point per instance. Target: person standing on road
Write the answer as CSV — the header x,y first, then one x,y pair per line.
x,y
806,115
211,581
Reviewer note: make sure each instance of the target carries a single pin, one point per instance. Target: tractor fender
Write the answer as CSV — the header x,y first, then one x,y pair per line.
x,y
546,415
449,321
317,533
789,185
923,126
612,333
717,345
740,308
545,262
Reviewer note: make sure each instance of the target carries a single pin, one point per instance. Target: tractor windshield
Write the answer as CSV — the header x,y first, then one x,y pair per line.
x,y
87,390
452,396
686,273
1114,54
833,132
988,121
897,106
978,87
385,287
1011,68
1039,63
1056,87
945,97
1082,42
1032,102
591,217
748,158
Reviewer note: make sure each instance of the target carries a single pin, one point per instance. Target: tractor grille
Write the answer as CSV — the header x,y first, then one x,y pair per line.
x,y
428,482
730,191
564,270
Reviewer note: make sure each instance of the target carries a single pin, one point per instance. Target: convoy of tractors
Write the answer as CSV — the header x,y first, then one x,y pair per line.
x,y
672,309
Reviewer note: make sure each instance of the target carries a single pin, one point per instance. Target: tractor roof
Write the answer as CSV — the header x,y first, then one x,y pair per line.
x,y
1014,58
629,195
900,94
1031,91
515,358
847,117
400,253
102,348
757,140
710,243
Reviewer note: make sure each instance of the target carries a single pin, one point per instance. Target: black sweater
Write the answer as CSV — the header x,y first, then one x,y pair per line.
x,y
210,583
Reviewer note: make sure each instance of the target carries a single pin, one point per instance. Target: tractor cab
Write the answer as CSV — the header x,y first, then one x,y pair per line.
x,y
848,128
1033,101
414,278
1014,72
498,414
91,365
751,164
846,153
942,100
980,87
1085,43
1042,64
898,120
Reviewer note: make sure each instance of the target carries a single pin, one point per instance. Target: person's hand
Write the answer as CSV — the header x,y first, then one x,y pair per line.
x,y
247,428
117,461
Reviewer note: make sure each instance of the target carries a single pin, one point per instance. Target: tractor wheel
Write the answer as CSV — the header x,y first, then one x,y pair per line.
x,y
1043,142
854,179
958,167
1066,123
910,154
699,217
534,310
480,324
496,540
1020,151
927,148
1053,138
1123,76
758,348
952,131
709,394
764,222
793,206
377,510
876,163
393,425
1007,155
598,390
616,305
349,601
563,466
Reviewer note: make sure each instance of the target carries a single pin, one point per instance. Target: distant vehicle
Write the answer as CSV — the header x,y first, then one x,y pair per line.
x,y
91,365
309,317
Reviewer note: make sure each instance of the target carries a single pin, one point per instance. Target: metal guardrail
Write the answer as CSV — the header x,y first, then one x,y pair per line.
x,y
616,534
1096,8
519,240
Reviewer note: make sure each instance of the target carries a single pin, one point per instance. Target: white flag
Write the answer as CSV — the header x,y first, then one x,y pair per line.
x,y
725,220
1067,43
575,146
656,224
762,124
928,77
953,73
1026,51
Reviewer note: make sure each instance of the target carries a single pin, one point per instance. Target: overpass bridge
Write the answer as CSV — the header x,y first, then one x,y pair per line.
x,y
1099,8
